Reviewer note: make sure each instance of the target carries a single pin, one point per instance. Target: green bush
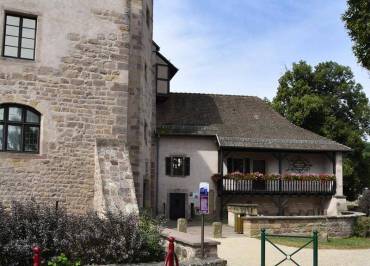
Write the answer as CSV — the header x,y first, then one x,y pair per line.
x,y
362,227
62,260
115,239
364,202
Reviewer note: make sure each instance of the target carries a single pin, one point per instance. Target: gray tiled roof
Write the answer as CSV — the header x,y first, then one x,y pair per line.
x,y
237,121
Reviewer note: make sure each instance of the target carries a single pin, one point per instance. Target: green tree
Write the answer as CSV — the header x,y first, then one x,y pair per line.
x,y
357,21
327,100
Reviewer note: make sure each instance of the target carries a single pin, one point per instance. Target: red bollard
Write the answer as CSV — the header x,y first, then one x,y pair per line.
x,y
171,255
36,256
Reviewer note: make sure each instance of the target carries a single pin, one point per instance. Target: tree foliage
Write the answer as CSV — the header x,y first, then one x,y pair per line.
x,y
357,21
327,100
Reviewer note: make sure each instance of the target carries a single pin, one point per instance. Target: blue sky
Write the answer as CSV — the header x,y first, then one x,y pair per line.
x,y
244,46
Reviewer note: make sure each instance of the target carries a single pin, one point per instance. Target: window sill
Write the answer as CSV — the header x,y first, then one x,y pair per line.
x,y
15,155
17,60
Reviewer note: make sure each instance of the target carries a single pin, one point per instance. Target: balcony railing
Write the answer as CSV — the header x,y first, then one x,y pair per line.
x,y
235,186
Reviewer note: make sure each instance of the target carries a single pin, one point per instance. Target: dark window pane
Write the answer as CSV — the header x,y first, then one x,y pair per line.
x,y
259,166
15,114
32,117
229,165
14,138
1,114
178,166
11,20
238,165
168,165
31,138
1,136
247,166
12,30
187,166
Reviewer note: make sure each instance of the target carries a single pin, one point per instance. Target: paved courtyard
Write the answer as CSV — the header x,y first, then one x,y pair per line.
x,y
239,250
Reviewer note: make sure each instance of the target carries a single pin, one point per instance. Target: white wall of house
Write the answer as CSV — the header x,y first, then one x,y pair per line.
x,y
203,153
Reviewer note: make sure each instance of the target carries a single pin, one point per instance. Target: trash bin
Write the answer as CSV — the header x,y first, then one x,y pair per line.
x,y
239,223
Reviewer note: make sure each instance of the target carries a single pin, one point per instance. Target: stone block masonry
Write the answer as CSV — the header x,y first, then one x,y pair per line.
x,y
331,226
114,184
80,87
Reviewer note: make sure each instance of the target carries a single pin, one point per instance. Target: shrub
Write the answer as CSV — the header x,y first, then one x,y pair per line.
x,y
364,202
117,238
62,260
362,227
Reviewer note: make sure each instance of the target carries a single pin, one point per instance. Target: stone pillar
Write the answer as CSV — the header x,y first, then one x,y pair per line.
x,y
217,229
339,173
182,225
338,203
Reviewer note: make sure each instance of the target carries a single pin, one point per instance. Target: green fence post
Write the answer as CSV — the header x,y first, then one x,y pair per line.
x,y
263,245
315,249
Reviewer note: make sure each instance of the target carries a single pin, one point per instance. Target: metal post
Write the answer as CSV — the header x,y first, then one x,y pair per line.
x,y
171,258
202,237
36,256
263,245
315,249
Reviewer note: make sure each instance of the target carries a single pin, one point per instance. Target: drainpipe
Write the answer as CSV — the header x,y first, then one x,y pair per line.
x,y
156,173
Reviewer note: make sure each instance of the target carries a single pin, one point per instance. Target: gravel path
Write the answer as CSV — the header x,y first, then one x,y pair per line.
x,y
239,250
246,251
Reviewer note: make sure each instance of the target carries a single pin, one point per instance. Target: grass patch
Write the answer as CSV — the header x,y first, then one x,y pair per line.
x,y
332,243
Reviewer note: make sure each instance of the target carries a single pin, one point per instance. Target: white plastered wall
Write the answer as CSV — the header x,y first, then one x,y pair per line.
x,y
203,153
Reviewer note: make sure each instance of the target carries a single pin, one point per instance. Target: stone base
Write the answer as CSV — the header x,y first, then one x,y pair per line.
x,y
188,248
205,262
337,205
331,226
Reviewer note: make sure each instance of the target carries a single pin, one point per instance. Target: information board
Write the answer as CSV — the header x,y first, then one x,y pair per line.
x,y
203,197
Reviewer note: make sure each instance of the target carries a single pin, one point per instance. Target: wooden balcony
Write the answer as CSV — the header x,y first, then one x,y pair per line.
x,y
277,187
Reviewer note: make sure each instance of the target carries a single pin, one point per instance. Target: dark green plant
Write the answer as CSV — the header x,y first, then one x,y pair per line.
x,y
357,21
362,227
62,260
90,239
364,202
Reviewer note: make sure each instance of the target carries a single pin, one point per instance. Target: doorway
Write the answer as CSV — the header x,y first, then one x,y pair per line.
x,y
177,205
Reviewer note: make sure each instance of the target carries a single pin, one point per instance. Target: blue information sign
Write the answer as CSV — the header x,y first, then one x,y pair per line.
x,y
203,197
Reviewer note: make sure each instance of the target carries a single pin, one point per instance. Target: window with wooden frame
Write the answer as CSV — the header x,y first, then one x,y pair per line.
x,y
19,39
238,165
163,82
177,166
19,128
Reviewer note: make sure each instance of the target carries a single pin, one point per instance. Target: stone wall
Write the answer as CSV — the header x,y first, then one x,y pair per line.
x,y
79,83
142,101
188,249
331,226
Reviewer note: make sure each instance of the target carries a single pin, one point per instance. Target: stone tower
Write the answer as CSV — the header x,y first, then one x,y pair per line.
x,y
80,76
